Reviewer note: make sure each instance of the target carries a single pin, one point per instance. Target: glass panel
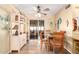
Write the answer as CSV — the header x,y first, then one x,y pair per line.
x,y
35,28
39,28
31,28
33,23
42,28
41,22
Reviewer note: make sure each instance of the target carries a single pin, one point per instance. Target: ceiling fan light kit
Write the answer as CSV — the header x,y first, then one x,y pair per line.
x,y
38,15
40,12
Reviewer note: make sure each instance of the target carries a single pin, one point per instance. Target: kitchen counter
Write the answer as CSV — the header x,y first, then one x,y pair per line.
x,y
72,43
76,37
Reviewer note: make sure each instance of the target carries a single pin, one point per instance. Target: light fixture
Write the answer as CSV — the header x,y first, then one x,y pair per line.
x,y
35,9
38,15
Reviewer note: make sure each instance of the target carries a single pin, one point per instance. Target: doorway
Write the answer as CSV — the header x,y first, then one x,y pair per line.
x,y
36,26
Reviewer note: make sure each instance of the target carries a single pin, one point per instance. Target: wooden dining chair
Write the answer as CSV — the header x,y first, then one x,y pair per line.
x,y
58,41
41,40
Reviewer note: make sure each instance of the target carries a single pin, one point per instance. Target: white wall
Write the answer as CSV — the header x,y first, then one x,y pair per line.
x,y
4,34
68,14
65,14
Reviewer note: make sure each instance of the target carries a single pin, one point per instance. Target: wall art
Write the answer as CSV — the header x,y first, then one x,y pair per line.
x,y
74,24
59,22
67,23
16,18
4,22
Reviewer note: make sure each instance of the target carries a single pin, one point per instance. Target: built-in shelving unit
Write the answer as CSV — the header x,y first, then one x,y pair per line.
x,y
17,32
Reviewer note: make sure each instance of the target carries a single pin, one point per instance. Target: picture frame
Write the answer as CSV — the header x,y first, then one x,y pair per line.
x,y
67,23
59,22
4,22
74,24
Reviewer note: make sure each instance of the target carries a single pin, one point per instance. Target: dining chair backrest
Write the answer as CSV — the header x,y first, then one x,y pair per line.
x,y
58,37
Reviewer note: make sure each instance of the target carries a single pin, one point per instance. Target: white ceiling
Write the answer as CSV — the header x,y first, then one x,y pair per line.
x,y
28,9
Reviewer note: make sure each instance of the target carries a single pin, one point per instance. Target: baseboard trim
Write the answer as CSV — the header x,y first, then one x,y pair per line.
x,y
68,50
22,46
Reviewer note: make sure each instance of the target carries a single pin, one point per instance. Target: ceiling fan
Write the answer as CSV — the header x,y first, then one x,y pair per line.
x,y
39,10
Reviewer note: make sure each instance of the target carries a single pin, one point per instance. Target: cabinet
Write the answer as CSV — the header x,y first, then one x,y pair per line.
x,y
68,43
17,32
72,44
76,46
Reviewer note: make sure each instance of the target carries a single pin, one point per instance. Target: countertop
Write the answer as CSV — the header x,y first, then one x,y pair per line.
x,y
75,37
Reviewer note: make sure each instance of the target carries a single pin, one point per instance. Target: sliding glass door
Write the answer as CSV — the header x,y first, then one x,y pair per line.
x,y
36,26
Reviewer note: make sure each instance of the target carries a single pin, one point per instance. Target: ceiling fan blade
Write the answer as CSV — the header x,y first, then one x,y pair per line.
x,y
39,10
46,9
44,13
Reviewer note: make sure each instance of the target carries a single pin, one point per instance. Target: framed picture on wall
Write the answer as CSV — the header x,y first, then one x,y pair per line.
x,y
67,23
59,22
16,18
74,24
77,19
